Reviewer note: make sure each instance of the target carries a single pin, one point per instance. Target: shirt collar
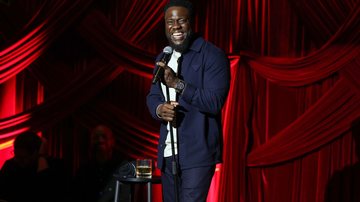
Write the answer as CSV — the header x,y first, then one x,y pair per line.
x,y
176,54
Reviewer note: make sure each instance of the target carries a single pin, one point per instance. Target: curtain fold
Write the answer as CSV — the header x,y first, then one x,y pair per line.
x,y
284,116
236,146
65,100
341,48
323,122
97,30
27,49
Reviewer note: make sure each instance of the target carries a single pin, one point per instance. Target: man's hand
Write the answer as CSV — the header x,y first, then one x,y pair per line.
x,y
167,110
170,78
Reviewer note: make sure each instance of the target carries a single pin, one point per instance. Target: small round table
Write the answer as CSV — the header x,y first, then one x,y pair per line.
x,y
136,180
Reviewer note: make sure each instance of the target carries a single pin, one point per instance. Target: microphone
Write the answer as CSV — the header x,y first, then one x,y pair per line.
x,y
165,59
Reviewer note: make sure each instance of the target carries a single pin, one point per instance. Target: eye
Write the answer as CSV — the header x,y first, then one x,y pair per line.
x,y
182,21
170,22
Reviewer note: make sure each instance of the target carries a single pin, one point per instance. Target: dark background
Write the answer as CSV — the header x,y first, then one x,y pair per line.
x,y
68,65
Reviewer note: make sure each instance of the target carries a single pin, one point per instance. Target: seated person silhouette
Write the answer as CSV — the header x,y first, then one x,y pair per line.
x,y
94,181
29,176
344,185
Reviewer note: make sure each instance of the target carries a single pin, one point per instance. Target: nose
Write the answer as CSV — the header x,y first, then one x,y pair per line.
x,y
176,25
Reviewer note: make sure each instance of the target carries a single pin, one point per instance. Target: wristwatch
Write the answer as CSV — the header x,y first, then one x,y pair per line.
x,y
179,86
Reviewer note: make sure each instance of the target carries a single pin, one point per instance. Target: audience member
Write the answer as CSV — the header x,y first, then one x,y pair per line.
x,y
94,181
31,177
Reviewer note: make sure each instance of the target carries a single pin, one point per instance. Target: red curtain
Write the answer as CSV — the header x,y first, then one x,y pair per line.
x,y
65,66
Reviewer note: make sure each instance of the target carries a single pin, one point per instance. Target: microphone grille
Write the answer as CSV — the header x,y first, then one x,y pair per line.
x,y
168,50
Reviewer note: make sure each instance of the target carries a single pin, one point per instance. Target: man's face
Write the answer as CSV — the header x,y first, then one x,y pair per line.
x,y
102,140
178,28
24,158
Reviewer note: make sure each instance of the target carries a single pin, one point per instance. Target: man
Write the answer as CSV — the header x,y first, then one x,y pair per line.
x,y
28,176
94,181
197,80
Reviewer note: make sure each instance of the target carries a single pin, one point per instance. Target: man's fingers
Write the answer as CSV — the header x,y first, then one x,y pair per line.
x,y
173,103
168,110
161,64
168,116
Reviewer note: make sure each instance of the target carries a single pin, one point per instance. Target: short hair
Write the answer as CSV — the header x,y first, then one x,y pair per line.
x,y
29,141
181,3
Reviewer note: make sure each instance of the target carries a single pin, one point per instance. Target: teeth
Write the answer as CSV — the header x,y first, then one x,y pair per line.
x,y
177,34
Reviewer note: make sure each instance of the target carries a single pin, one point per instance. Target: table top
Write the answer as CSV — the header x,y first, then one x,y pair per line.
x,y
136,180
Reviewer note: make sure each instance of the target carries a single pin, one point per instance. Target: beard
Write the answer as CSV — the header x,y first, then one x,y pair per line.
x,y
181,48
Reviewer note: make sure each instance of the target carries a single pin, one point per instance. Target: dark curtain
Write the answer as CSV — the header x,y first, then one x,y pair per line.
x,y
68,65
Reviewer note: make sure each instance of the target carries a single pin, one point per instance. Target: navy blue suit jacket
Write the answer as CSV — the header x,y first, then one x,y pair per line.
x,y
206,71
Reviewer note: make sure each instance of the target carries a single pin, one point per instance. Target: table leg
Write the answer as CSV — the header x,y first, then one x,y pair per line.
x,y
117,191
149,191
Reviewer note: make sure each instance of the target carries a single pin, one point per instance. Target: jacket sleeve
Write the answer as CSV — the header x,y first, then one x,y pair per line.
x,y
211,97
154,98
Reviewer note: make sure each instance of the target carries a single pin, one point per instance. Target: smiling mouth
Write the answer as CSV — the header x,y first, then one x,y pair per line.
x,y
178,36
